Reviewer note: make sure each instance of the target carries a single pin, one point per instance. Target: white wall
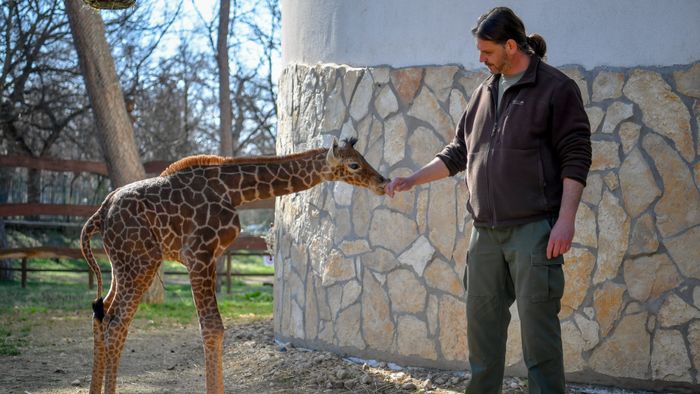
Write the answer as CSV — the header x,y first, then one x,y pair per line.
x,y
401,33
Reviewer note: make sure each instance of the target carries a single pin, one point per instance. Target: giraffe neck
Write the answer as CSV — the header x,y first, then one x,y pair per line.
x,y
278,176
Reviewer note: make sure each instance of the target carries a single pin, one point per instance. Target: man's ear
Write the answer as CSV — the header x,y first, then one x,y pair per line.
x,y
331,157
511,45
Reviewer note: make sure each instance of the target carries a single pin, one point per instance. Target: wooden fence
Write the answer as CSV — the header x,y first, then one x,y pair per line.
x,y
251,244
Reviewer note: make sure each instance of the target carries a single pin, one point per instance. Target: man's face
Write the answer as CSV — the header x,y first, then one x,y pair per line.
x,y
493,55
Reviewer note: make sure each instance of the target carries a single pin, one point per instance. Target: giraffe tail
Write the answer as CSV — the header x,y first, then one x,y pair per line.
x,y
92,226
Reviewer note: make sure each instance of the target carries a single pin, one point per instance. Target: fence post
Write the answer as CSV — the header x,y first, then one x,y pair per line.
x,y
228,274
24,272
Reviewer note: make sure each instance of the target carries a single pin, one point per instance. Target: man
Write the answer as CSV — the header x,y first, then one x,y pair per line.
x,y
524,141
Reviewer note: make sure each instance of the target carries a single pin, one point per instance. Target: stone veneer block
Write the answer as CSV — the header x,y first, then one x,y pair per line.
x,y
427,107
573,344
605,155
576,74
407,81
577,272
347,328
662,109
626,353
639,188
675,312
412,301
377,324
694,338
395,136
607,85
337,269
595,116
392,230
670,360
359,105
310,309
440,275
514,344
680,193
688,81
386,103
458,103
423,145
608,305
335,110
413,338
617,112
629,136
685,252
592,193
442,220
613,231
419,255
589,331
440,81
453,328
649,276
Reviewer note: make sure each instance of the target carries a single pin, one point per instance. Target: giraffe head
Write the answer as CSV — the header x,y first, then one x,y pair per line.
x,y
347,165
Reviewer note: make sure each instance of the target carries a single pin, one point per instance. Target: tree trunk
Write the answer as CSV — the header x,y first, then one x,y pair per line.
x,y
226,145
114,130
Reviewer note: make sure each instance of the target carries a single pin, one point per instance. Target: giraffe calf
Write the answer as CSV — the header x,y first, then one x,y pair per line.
x,y
188,214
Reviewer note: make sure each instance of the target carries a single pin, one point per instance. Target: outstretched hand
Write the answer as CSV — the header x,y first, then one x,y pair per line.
x,y
398,184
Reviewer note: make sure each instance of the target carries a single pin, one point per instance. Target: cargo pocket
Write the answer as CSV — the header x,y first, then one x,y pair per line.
x,y
546,278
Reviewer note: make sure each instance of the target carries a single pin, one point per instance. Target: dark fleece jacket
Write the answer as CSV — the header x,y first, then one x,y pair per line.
x,y
516,158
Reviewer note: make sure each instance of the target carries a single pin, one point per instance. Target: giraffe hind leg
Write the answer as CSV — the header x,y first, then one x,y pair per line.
x,y
100,306
122,303
203,283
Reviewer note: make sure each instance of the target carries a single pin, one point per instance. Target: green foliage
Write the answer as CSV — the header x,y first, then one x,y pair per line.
x,y
244,302
8,346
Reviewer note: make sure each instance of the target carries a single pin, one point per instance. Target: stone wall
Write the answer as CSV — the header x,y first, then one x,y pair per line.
x,y
381,278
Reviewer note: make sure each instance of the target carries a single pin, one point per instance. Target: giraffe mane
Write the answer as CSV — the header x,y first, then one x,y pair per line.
x,y
214,160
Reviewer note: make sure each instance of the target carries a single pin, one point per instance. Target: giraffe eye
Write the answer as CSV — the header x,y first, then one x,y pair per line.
x,y
354,166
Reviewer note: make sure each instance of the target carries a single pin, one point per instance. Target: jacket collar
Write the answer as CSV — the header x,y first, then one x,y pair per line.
x,y
529,77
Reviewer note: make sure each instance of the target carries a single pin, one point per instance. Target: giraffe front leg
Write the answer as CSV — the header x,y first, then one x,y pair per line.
x,y
211,326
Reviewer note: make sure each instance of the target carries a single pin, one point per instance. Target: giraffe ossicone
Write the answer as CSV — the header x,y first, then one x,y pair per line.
x,y
188,214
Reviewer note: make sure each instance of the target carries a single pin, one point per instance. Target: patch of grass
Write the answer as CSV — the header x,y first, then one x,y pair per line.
x,y
8,346
245,302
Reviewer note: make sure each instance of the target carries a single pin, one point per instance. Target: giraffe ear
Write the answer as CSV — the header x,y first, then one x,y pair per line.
x,y
330,157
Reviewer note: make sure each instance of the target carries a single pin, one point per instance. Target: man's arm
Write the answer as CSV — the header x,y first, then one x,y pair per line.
x,y
563,231
432,171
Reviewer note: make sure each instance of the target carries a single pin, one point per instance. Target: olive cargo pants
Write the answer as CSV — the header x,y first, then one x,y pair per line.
x,y
506,265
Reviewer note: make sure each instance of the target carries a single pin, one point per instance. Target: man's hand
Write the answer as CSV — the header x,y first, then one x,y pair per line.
x,y
561,237
432,171
398,184
563,231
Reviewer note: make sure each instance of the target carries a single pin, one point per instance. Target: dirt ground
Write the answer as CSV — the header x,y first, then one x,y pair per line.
x,y
168,358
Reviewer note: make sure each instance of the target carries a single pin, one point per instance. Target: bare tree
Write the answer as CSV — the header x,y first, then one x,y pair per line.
x,y
227,141
252,35
114,129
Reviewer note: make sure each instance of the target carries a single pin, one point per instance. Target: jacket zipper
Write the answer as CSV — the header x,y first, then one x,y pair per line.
x,y
494,130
